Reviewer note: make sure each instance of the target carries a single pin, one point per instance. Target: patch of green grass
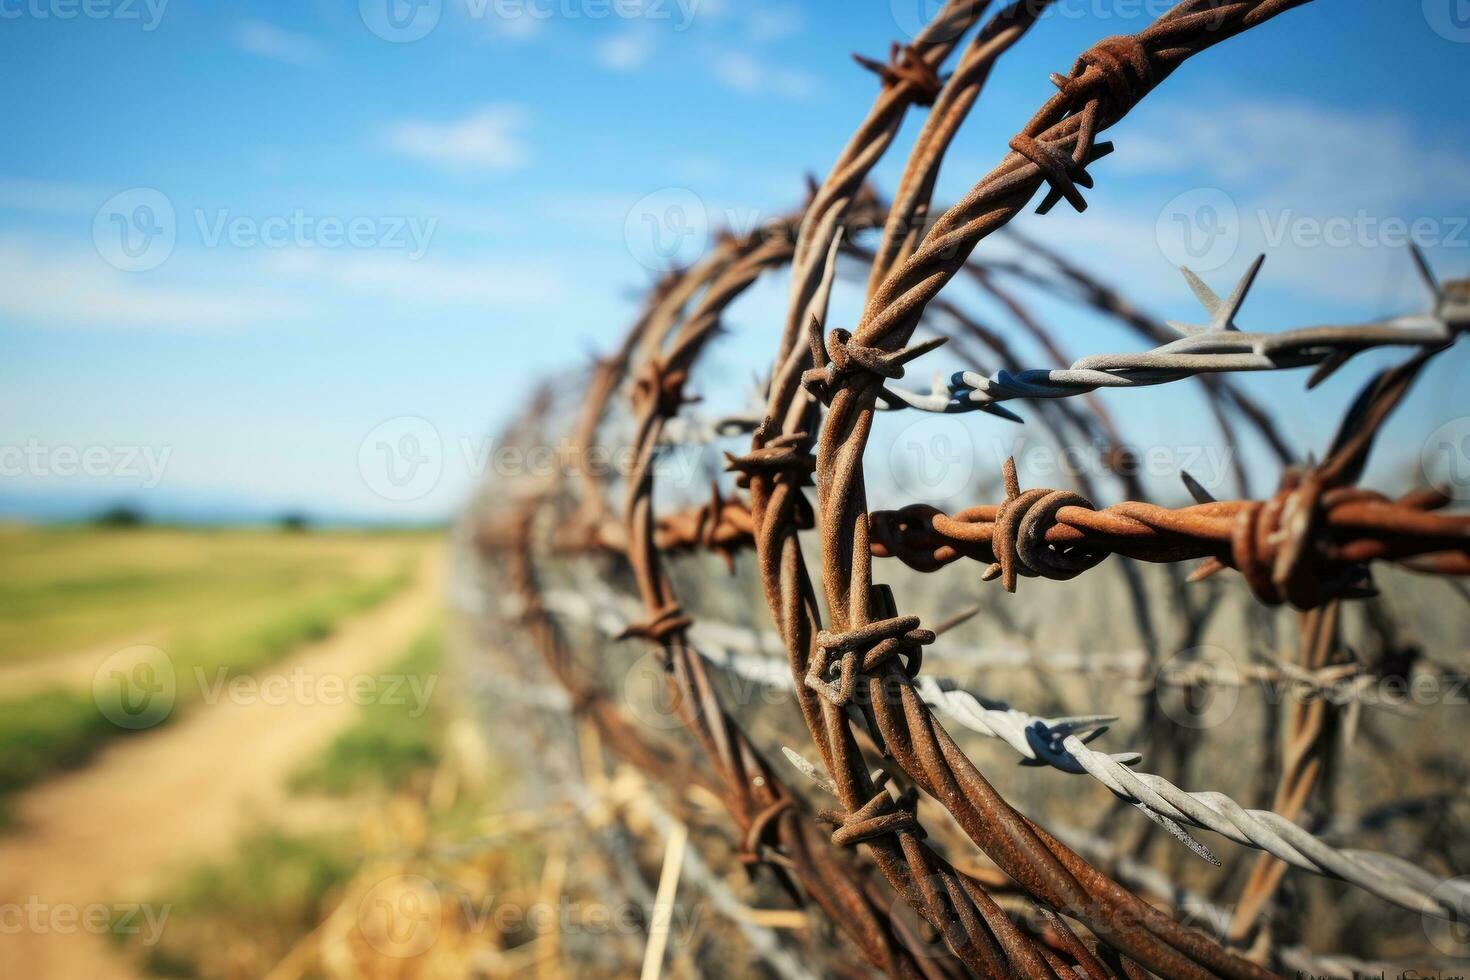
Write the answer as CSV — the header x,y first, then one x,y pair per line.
x,y
314,620
44,733
392,738
56,730
71,588
240,917
274,890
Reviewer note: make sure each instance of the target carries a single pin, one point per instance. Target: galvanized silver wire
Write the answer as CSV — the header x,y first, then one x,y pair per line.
x,y
1213,347
1061,743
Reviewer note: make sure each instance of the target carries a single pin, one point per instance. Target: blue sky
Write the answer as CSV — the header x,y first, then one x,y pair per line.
x,y
366,229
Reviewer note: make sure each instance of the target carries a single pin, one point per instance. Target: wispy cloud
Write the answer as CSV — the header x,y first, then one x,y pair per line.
x,y
74,288
764,25
514,25
30,194
742,73
1374,158
269,41
487,139
482,282
625,52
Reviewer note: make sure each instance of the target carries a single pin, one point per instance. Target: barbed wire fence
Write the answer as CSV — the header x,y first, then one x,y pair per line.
x,y
893,849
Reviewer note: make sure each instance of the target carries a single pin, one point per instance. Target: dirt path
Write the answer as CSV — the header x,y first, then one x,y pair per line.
x,y
75,669
102,835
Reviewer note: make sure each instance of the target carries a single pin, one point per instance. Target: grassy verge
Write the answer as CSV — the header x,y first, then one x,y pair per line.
x,y
239,917
61,729
67,588
272,891
392,739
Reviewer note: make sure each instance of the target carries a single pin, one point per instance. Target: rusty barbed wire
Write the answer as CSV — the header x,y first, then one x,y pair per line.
x,y
1306,545
1062,743
1104,85
847,901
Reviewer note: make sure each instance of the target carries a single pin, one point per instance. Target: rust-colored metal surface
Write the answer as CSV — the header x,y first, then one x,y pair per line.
x,y
887,757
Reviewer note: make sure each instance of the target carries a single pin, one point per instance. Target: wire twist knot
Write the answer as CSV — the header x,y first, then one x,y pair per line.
x,y
845,357
862,650
878,817
1274,544
664,624
665,387
1019,537
906,65
1123,66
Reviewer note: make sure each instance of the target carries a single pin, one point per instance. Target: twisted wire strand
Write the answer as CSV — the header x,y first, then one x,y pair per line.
x,y
962,911
1100,90
1061,744
1216,348
1148,879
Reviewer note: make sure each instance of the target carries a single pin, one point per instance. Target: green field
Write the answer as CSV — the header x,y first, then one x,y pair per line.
x,y
231,599
67,589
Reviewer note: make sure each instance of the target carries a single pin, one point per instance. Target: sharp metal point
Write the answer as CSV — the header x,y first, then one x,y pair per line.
x,y
1328,368
1225,318
995,408
1202,292
1199,493
1425,272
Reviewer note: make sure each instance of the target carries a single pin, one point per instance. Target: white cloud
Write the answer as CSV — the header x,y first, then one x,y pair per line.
x,y
773,24
73,288
625,52
487,139
483,282
1297,151
1327,194
518,27
269,41
742,73
29,194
